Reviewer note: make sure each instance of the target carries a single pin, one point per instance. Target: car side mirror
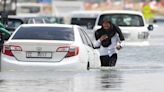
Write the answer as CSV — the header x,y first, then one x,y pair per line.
x,y
150,27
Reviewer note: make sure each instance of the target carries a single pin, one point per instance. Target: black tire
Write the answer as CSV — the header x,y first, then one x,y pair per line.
x,y
88,66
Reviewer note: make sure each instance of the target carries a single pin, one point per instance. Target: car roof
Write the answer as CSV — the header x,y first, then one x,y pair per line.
x,y
48,25
123,12
23,17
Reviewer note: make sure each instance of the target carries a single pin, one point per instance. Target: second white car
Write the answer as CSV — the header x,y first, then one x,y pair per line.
x,y
132,24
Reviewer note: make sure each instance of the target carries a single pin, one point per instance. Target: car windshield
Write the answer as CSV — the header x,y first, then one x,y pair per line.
x,y
45,33
123,19
86,22
35,21
59,20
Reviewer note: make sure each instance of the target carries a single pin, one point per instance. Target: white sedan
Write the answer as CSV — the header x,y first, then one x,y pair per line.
x,y
35,47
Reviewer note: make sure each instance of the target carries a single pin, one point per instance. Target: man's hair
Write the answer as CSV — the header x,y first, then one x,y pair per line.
x,y
107,20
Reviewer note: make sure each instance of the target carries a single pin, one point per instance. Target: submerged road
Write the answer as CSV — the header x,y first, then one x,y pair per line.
x,y
139,69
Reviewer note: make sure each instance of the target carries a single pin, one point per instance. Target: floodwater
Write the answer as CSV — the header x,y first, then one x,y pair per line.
x,y
139,69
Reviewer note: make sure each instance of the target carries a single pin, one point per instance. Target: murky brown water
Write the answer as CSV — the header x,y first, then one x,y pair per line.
x,y
139,69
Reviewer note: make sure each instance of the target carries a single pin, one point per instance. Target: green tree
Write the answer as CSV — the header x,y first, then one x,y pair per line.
x,y
5,32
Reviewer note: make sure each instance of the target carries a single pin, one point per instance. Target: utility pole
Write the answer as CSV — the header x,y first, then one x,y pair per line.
x,y
4,14
4,6
15,10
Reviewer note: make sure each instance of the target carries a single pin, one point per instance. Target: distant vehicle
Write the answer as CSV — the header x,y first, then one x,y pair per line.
x,y
48,47
85,19
33,9
132,24
15,21
158,20
55,19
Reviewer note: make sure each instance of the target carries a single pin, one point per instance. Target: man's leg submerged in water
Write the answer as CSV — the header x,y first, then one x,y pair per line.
x,y
105,60
113,60
108,61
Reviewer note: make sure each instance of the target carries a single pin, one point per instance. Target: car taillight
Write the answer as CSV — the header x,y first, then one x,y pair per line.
x,y
7,49
71,50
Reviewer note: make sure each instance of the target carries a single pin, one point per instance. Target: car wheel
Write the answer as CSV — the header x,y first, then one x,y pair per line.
x,y
88,66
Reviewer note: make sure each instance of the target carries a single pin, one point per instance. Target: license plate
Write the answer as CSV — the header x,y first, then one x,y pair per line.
x,y
38,54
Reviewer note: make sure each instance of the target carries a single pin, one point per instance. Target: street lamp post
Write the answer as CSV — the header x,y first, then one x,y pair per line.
x,y
4,6
4,14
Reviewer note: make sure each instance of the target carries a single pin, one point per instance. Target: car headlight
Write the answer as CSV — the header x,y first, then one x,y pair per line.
x,y
143,35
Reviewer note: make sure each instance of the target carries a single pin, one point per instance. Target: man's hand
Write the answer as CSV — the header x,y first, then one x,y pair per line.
x,y
118,47
103,37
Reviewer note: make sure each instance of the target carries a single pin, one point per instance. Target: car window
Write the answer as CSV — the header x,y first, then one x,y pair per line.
x,y
59,20
39,20
83,36
45,33
123,19
86,22
87,38
36,20
30,21
46,21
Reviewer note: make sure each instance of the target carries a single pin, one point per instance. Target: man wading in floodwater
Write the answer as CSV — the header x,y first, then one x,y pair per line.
x,y
109,39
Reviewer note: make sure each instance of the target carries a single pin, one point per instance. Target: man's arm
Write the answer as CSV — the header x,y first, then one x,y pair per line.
x,y
120,44
99,39
118,30
97,42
